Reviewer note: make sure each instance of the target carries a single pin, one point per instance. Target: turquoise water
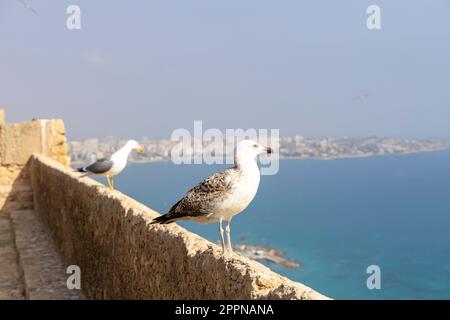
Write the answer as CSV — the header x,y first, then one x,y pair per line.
x,y
336,218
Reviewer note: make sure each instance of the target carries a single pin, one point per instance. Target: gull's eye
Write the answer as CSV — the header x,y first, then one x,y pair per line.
x,y
255,146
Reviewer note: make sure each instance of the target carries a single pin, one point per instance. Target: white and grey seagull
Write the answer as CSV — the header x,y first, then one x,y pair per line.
x,y
223,195
113,165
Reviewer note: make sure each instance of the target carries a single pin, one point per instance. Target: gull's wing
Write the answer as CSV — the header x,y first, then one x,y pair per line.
x,y
201,199
100,166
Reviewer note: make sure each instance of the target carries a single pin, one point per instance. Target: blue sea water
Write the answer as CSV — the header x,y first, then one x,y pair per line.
x,y
336,218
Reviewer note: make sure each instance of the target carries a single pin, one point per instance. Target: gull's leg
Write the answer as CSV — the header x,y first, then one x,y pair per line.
x,y
227,229
112,182
109,183
221,235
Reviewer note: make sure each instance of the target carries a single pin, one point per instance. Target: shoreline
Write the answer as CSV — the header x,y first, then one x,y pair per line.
x,y
265,254
365,155
350,156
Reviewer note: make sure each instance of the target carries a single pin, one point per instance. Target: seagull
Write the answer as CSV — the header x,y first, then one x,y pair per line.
x,y
362,97
28,6
223,195
113,165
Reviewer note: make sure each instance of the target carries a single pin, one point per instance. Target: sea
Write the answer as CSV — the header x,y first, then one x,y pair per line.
x,y
339,219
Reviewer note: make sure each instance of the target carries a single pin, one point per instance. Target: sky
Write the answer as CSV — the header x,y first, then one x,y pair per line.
x,y
146,68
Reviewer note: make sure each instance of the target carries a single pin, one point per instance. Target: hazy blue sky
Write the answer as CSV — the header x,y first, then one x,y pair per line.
x,y
148,67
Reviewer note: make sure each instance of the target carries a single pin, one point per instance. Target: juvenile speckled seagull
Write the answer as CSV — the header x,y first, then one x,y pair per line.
x,y
222,195
113,165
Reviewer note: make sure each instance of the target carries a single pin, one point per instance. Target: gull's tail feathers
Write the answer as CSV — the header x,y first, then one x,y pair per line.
x,y
164,219
83,170
167,218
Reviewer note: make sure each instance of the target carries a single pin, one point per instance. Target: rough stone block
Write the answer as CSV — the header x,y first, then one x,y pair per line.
x,y
56,142
18,142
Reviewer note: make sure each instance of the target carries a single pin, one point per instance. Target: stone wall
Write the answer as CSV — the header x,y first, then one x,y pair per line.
x,y
30,265
105,234
18,142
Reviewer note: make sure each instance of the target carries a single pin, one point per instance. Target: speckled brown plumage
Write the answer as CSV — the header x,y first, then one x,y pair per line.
x,y
201,199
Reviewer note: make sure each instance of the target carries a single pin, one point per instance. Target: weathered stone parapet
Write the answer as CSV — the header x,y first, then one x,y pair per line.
x,y
54,141
105,234
18,141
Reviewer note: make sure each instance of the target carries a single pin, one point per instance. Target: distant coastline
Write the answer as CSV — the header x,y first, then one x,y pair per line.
x,y
365,155
290,148
296,147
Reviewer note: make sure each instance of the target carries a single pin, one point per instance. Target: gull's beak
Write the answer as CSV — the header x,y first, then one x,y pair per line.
x,y
269,150
140,149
